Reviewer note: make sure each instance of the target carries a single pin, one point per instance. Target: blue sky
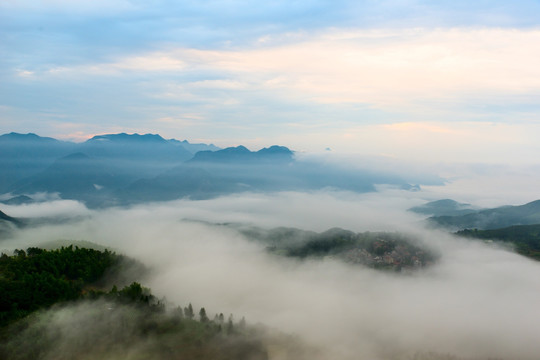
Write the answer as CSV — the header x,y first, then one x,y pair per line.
x,y
439,81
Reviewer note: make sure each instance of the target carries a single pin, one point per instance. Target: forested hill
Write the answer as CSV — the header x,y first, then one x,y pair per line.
x,y
37,278
496,218
379,250
53,308
525,238
8,218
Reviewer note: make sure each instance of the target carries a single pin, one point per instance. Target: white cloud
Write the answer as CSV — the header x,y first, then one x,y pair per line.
x,y
384,68
476,302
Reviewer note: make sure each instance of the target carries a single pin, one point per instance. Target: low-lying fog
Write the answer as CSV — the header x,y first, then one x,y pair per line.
x,y
478,301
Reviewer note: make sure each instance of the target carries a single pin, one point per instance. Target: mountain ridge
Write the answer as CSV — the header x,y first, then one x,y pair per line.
x,y
488,219
123,169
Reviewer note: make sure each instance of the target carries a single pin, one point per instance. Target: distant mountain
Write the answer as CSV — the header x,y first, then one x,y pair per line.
x,y
115,169
7,224
492,218
18,200
135,147
242,154
5,217
237,169
23,155
525,238
444,207
195,148
76,176
180,182
88,171
129,138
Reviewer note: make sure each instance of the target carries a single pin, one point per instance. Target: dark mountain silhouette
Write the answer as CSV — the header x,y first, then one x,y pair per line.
x,y
76,176
124,168
5,217
24,155
8,224
181,182
129,138
88,171
194,148
18,200
135,147
492,218
241,154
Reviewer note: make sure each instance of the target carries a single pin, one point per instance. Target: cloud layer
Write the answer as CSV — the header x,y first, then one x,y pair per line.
x,y
475,303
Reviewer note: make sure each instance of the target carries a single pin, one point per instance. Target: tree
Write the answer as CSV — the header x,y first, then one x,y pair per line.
x,y
230,326
202,315
188,312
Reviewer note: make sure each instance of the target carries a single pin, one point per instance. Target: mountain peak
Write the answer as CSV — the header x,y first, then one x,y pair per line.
x,y
128,138
242,154
29,137
276,150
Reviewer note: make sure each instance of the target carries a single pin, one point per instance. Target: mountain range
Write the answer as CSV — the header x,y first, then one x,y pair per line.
x,y
495,218
121,169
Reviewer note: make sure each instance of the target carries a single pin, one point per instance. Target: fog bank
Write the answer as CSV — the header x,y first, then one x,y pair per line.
x,y
478,301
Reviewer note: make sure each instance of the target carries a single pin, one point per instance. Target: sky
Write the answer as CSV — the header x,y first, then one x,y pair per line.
x,y
444,81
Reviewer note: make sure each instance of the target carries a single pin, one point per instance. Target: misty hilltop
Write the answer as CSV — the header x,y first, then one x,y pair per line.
x,y
379,250
7,224
122,169
444,207
494,218
50,291
525,239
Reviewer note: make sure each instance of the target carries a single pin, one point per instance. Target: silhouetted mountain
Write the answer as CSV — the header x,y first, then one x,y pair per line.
x,y
5,217
76,176
492,218
129,138
194,148
136,148
121,168
18,200
242,154
89,171
28,138
445,207
23,155
181,182
8,224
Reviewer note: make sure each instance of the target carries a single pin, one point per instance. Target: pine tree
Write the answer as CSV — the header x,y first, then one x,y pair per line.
x,y
188,312
202,315
230,326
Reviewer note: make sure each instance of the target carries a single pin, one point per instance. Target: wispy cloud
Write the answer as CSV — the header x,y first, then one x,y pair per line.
x,y
403,70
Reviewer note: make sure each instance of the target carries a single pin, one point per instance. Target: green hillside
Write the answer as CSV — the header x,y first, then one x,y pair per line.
x,y
525,238
52,307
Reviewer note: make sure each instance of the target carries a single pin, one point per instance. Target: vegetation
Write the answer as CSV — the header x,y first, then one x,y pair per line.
x,y
489,219
37,278
524,238
380,250
51,308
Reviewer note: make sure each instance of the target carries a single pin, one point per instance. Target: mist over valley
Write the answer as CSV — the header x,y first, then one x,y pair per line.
x,y
326,272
